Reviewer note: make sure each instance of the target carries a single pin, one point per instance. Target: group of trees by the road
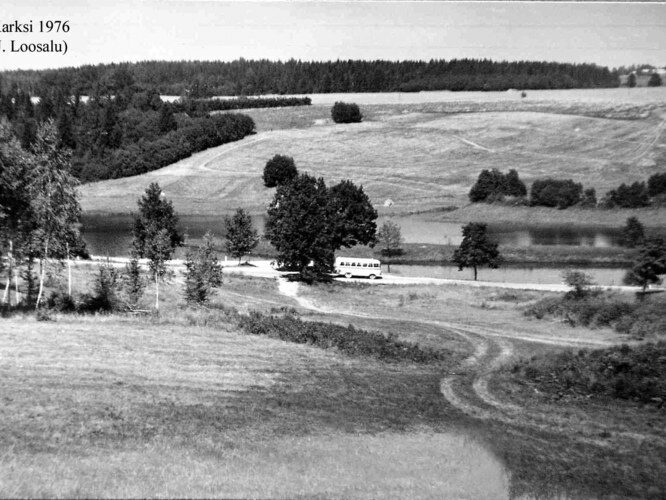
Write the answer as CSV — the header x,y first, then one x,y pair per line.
x,y
39,210
343,112
308,221
492,186
156,237
255,77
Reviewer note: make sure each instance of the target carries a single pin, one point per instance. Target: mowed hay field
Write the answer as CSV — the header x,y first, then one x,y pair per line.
x,y
422,156
112,406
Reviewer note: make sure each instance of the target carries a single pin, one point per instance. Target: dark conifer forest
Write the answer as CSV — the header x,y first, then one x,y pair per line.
x,y
251,77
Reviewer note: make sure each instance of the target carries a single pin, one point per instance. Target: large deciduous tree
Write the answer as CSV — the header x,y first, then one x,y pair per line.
x,y
476,249
352,216
155,232
241,237
307,222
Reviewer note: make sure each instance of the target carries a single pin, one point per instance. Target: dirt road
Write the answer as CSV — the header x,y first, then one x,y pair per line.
x,y
469,389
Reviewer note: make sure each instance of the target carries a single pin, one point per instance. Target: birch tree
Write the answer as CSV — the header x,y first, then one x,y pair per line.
x,y
54,201
15,209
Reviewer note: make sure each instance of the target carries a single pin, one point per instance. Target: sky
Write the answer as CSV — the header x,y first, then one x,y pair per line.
x,y
103,31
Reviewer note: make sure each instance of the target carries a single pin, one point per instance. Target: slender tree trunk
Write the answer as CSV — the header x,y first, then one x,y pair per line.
x,y
7,298
157,294
475,273
42,273
17,295
69,274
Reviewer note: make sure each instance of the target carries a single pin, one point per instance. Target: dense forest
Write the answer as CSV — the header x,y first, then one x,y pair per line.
x,y
249,77
121,129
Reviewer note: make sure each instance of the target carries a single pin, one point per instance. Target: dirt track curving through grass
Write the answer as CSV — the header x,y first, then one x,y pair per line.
x,y
469,389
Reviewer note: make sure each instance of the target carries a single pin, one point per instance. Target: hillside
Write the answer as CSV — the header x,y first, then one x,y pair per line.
x,y
420,156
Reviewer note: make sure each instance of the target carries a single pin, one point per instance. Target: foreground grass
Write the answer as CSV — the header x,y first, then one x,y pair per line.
x,y
114,407
184,405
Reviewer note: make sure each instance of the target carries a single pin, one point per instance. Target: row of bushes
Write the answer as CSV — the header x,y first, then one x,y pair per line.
x,y
637,373
144,156
645,318
493,185
201,107
348,340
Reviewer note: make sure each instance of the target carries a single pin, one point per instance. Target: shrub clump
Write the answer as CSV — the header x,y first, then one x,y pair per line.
x,y
343,112
493,185
637,373
646,318
556,193
348,340
279,170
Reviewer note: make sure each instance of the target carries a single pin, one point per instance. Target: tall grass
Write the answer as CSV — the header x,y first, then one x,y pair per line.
x,y
636,373
643,318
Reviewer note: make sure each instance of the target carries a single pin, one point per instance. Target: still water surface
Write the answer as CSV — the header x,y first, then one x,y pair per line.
x,y
111,234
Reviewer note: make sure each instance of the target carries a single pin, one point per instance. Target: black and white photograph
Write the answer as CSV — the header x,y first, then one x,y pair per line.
x,y
324,249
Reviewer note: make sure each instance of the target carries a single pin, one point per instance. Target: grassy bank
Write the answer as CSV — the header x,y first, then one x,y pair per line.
x,y
533,256
184,403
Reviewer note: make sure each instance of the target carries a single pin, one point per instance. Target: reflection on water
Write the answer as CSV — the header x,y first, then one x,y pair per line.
x,y
112,234
418,230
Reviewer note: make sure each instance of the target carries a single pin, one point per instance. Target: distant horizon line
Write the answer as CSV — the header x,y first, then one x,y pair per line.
x,y
321,61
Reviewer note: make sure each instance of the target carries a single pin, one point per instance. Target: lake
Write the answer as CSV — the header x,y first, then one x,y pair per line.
x,y
601,276
111,234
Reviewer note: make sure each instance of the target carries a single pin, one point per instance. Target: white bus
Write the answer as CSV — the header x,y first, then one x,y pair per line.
x,y
353,266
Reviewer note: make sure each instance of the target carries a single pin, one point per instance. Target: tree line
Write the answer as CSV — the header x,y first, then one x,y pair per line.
x,y
201,107
493,185
254,77
121,130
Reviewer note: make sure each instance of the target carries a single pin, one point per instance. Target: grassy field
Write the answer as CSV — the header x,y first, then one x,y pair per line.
x,y
184,404
422,156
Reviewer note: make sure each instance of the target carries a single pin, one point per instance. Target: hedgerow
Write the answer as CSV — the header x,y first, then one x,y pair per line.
x,y
145,156
348,340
